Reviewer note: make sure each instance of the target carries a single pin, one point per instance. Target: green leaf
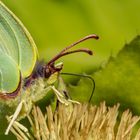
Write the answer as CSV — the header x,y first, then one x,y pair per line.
x,y
119,81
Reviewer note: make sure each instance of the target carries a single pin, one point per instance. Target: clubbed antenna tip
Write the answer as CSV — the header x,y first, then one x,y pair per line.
x,y
93,36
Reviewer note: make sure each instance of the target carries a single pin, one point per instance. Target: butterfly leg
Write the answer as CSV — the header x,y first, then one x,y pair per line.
x,y
63,90
61,97
14,116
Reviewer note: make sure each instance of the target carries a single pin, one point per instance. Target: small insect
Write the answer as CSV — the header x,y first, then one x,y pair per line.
x,y
24,80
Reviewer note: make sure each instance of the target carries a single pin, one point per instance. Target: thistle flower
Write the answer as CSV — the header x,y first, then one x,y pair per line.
x,y
77,122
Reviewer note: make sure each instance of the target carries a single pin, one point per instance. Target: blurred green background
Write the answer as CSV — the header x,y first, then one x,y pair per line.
x,y
54,24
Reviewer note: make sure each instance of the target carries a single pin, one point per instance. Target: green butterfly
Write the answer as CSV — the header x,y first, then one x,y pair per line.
x,y
23,79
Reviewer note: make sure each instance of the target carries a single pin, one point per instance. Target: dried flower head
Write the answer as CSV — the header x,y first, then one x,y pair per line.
x,y
77,122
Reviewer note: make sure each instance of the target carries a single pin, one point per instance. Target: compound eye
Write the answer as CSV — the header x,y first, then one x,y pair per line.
x,y
47,72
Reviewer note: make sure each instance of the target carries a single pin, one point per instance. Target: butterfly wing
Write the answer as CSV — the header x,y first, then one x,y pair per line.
x,y
9,74
16,41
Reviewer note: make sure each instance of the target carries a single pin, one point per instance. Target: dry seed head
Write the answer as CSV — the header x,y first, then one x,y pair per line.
x,y
82,122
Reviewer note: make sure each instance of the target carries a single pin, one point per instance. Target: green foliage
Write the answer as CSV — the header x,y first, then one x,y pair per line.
x,y
119,80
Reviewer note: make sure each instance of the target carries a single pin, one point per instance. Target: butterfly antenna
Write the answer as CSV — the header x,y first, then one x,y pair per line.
x,y
66,52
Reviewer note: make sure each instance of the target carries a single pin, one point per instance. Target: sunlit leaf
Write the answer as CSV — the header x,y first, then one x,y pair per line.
x,y
119,80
